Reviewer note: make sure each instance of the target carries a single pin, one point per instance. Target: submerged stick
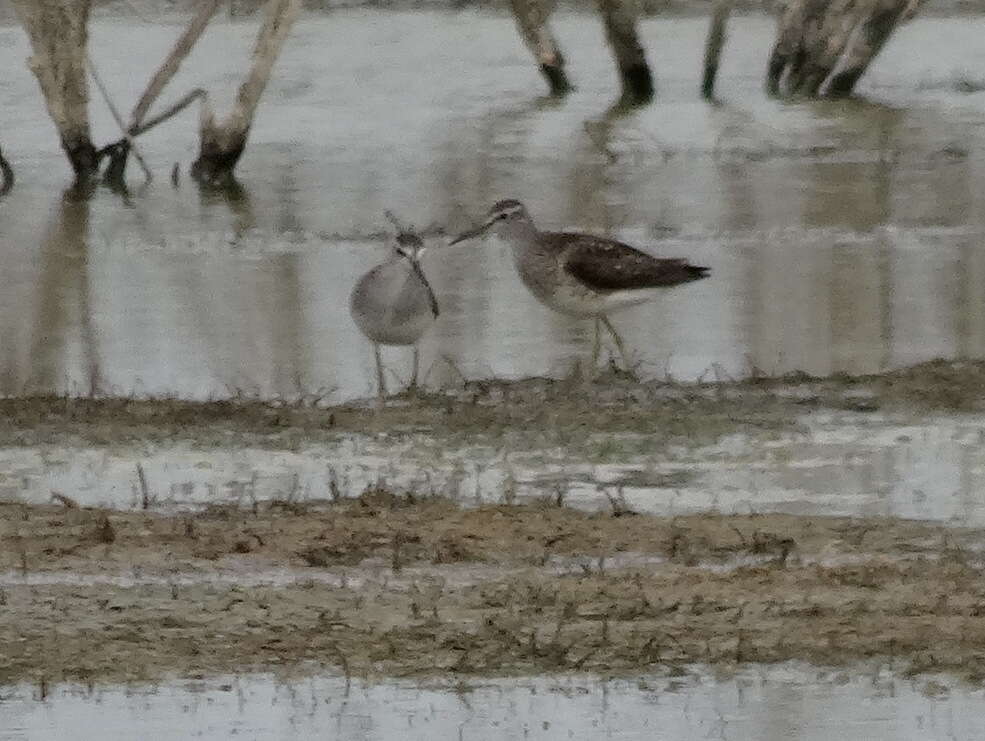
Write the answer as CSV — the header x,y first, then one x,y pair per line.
x,y
119,120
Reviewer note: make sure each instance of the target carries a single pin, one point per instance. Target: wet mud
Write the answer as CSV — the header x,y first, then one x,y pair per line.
x,y
393,585
534,411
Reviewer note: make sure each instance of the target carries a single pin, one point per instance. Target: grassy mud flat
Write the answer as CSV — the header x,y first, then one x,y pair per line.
x,y
413,584
395,586
519,414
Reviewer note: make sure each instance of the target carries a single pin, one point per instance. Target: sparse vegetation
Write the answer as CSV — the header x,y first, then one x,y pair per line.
x,y
538,412
373,585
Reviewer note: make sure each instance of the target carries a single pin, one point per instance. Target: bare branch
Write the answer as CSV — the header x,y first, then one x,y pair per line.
x,y
119,120
169,68
174,110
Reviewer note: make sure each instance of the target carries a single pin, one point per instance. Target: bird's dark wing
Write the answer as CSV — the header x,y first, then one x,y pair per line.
x,y
607,265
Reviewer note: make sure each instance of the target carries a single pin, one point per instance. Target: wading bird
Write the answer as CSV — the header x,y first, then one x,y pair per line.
x,y
393,304
579,274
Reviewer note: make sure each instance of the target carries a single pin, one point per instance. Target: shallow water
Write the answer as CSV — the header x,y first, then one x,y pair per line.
x,y
842,236
786,702
838,463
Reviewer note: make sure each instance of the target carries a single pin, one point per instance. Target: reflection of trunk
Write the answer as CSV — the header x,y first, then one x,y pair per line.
x,y
286,340
58,33
531,19
64,277
223,142
6,176
620,29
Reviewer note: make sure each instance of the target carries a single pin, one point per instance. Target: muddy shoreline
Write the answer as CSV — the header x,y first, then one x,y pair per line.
x,y
407,582
537,411
387,585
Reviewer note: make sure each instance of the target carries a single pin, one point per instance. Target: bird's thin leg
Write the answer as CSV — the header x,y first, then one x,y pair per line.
x,y
412,386
380,380
597,345
619,342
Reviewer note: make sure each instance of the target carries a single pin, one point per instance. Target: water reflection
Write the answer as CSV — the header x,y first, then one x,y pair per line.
x,y
784,702
63,340
843,236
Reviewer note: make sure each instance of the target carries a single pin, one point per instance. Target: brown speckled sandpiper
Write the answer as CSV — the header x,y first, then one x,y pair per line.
x,y
580,274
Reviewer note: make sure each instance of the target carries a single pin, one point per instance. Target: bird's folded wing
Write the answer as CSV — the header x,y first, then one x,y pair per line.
x,y
606,265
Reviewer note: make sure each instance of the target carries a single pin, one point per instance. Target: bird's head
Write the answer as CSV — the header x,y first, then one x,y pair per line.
x,y
503,218
410,246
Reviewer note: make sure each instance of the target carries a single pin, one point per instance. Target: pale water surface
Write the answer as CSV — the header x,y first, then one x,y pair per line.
x,y
843,463
842,236
775,704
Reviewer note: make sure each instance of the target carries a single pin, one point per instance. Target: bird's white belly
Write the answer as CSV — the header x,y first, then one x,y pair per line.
x,y
572,298
391,306
562,292
390,329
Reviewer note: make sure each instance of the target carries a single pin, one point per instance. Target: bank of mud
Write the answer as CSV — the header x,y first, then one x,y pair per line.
x,y
408,582
388,585
509,414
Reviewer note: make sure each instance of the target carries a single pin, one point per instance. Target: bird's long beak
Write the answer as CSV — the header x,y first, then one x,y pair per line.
x,y
471,233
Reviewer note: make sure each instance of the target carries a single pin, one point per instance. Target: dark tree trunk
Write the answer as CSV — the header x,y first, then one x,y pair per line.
x,y
873,33
222,143
824,47
531,19
58,31
620,30
6,176
219,151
